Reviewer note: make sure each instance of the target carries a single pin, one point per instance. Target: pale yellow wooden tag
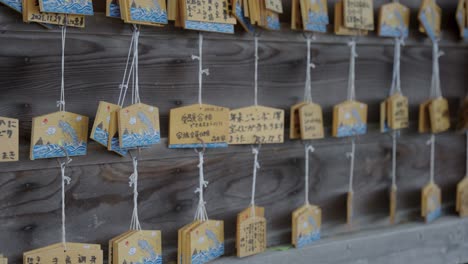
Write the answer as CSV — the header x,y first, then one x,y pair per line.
x,y
243,216
274,5
199,125
430,18
214,11
240,11
74,253
181,241
152,13
349,207
100,131
314,15
431,204
311,121
462,198
70,245
424,123
359,14
138,126
308,224
172,10
252,236
394,20
32,13
9,139
110,250
393,204
397,111
55,133
294,121
349,119
206,242
296,17
463,119
113,143
383,117
439,115
340,28
256,125
142,246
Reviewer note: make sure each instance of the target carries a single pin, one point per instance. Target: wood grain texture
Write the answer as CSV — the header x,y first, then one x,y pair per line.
x,y
99,199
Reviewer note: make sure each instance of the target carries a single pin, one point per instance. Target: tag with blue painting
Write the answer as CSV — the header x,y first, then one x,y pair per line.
x,y
138,126
306,226
16,5
394,20
238,12
431,203
75,7
148,11
314,15
113,8
430,17
140,247
349,119
206,242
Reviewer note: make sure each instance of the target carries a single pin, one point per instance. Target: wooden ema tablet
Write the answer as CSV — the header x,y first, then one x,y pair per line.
x,y
439,115
53,133
100,131
9,139
296,17
274,5
349,119
424,123
462,18
340,28
75,253
311,121
125,14
462,198
430,17
210,16
181,247
113,8
397,111
190,124
84,7
113,143
314,15
268,19
393,204
13,4
394,20
383,117
110,250
295,215
463,119
142,246
138,126
307,223
252,238
256,125
145,11
349,207
31,13
240,10
358,14
431,203
295,125
206,242
242,246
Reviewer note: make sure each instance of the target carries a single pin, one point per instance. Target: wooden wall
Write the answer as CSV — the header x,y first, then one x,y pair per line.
x,y
99,199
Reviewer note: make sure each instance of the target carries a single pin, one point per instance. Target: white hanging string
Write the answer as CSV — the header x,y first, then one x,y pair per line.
x,y
201,71
256,70
351,156
352,74
308,149
394,146
135,222
309,65
65,180
136,85
435,84
61,102
431,142
201,214
256,166
124,85
396,82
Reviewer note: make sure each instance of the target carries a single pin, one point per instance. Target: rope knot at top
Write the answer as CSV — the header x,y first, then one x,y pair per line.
x,y
352,44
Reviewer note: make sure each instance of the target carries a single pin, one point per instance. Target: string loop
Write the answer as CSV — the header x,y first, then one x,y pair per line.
x,y
352,74
396,82
201,214
65,180
133,182
61,101
309,65
256,167
201,71
431,142
435,83
256,57
351,156
308,149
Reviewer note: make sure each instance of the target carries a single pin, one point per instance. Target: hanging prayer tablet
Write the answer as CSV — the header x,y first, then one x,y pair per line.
x,y
462,18
149,11
462,198
110,249
143,246
198,125
87,253
424,123
182,248
340,28
207,16
310,15
394,20
463,119
439,115
113,143
295,125
256,125
113,8
274,5
59,134
430,17
73,7
31,13
100,131
358,14
311,121
206,242
138,126
14,4
431,208
383,117
9,139
349,119
238,8
397,111
251,231
3,260
307,224
270,19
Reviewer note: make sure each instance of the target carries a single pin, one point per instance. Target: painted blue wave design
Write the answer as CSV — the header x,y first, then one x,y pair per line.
x,y
115,146
155,15
347,131
319,18
308,239
209,145
154,258
427,26
79,7
114,10
56,151
208,255
431,216
389,31
135,140
15,4
101,136
206,26
240,15
273,23
316,27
